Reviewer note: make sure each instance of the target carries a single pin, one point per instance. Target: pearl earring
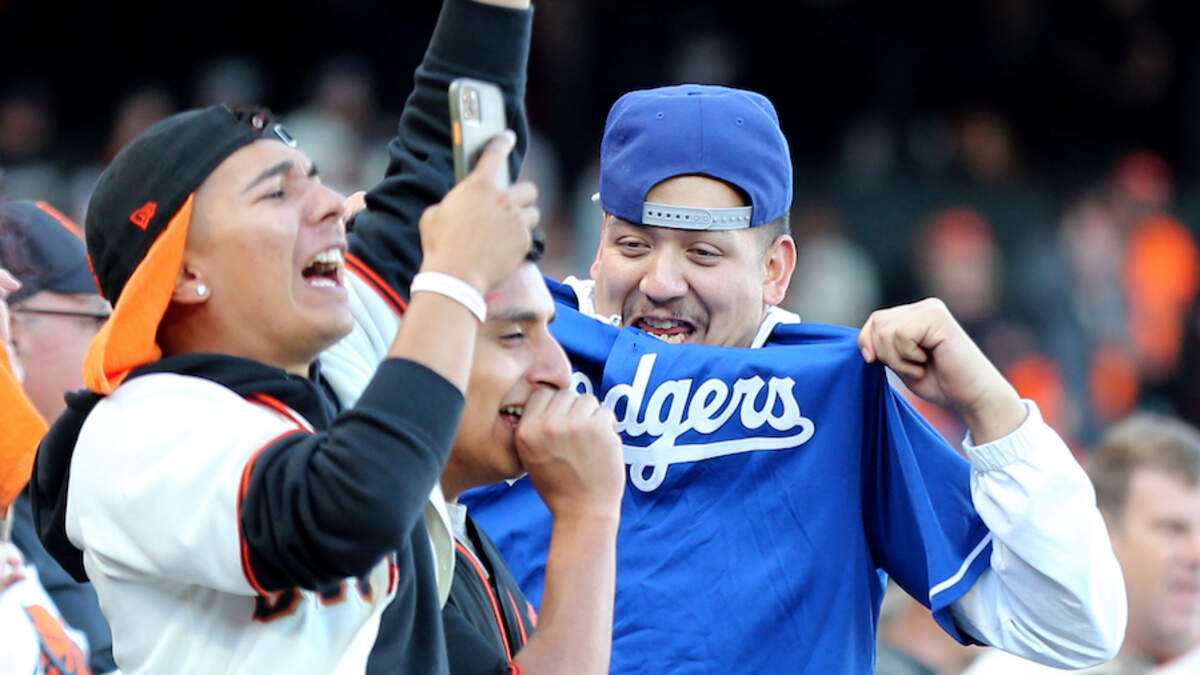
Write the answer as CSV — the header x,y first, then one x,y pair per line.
x,y
201,290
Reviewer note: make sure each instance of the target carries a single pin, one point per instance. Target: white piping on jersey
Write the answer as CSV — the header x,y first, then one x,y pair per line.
x,y
961,570
660,458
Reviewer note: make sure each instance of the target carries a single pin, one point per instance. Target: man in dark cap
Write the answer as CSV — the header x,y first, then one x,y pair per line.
x,y
251,480
58,308
54,315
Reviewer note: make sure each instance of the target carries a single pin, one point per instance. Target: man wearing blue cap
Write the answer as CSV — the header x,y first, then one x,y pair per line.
x,y
773,490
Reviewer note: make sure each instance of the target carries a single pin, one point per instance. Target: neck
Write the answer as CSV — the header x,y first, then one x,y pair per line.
x,y
453,483
187,330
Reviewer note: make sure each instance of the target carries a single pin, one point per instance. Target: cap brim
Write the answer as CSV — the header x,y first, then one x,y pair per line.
x,y
129,338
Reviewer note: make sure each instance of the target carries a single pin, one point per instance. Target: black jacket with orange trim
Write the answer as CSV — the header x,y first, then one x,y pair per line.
x,y
319,507
487,618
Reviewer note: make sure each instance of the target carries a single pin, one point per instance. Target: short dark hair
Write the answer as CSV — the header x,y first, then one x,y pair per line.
x,y
1142,440
769,232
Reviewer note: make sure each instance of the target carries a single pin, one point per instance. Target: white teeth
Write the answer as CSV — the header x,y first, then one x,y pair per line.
x,y
322,282
661,323
331,256
517,410
674,339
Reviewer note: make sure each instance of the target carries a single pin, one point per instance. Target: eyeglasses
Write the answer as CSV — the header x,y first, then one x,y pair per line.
x,y
99,316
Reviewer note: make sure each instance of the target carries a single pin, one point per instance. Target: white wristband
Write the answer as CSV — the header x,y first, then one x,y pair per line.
x,y
452,287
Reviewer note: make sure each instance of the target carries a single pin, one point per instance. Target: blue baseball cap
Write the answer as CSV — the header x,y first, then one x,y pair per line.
x,y
44,249
729,134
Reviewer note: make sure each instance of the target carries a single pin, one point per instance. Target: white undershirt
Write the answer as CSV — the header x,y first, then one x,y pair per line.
x,y
458,521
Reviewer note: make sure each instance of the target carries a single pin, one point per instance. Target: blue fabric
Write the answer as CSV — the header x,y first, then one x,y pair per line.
x,y
770,491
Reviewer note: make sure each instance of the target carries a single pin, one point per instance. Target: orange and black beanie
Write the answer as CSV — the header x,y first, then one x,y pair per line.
x,y
137,222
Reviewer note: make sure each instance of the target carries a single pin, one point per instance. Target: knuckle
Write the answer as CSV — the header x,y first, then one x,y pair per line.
x,y
934,303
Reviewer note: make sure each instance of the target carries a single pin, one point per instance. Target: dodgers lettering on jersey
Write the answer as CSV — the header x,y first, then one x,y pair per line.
x,y
771,491
687,426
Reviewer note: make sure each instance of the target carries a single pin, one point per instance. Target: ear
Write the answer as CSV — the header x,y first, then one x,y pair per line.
x,y
190,287
778,265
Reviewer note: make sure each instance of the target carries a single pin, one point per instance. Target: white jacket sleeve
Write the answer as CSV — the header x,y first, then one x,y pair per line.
x,y
1054,592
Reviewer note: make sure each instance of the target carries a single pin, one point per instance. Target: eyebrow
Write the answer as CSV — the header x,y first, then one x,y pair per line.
x,y
280,168
520,316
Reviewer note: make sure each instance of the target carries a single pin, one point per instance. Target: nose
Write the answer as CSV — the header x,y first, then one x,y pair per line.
x,y
550,366
325,204
663,280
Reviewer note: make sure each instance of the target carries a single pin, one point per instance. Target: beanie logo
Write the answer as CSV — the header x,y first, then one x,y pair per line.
x,y
143,215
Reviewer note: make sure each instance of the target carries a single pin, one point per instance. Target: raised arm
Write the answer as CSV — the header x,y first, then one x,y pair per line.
x,y
1054,591
483,40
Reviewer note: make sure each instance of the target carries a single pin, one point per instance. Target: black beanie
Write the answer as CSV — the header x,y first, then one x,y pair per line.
x,y
147,183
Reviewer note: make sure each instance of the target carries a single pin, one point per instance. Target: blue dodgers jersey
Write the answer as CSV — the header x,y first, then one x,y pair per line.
x,y
770,493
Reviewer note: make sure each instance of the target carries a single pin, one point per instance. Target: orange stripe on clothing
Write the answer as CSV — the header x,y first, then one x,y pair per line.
x,y
243,488
21,430
520,621
491,596
360,269
280,407
128,339
62,219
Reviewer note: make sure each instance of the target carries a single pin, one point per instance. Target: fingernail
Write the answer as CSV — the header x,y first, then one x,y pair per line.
x,y
511,136
866,356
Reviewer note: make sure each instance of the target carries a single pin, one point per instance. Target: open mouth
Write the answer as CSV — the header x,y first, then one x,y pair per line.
x,y
674,331
325,269
511,414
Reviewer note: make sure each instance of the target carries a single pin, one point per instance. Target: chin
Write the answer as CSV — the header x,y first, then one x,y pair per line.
x,y
330,331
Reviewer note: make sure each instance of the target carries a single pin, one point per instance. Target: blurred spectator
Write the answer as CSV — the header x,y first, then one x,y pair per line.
x,y
1140,185
235,80
957,259
542,168
1162,276
335,125
1146,471
1110,298
868,155
987,147
835,280
912,643
54,316
27,128
37,640
135,113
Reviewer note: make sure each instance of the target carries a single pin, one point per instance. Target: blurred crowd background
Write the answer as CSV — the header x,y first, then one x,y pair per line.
x,y
1034,163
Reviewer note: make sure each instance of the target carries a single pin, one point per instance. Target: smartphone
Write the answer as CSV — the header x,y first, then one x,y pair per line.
x,y
476,117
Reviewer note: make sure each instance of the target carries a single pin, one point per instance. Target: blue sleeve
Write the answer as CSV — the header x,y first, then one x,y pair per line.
x,y
921,525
